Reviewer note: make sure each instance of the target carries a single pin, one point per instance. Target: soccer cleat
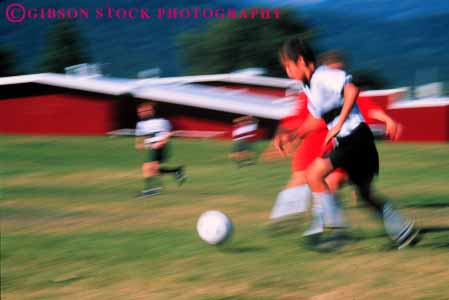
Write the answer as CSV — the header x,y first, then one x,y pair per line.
x,y
411,238
313,230
327,240
150,192
317,227
181,176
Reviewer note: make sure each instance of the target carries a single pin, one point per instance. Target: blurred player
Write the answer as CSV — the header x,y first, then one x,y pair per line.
x,y
243,136
331,98
153,134
296,196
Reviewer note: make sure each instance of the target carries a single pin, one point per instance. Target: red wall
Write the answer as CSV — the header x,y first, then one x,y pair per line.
x,y
383,98
195,123
192,123
423,123
57,114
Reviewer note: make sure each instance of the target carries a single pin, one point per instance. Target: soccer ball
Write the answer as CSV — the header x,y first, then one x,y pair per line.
x,y
214,227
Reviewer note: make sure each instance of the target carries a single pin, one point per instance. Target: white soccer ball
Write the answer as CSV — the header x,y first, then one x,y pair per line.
x,y
214,227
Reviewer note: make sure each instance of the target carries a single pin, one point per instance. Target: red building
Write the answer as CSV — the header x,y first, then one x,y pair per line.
x,y
423,120
57,104
66,104
196,105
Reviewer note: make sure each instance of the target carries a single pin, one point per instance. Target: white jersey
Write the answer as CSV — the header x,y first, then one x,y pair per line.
x,y
244,132
325,95
154,130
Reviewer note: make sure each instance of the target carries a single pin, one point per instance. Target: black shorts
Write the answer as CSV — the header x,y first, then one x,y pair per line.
x,y
357,155
160,155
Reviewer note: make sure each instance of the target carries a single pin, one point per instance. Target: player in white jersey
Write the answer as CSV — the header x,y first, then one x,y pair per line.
x,y
243,136
332,98
153,134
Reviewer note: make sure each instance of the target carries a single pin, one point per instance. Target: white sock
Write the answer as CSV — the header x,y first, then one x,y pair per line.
x,y
331,210
396,226
317,225
291,201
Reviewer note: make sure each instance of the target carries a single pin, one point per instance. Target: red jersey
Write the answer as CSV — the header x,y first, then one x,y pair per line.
x,y
312,145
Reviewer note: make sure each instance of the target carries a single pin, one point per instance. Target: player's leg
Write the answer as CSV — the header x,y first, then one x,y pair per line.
x,y
149,172
400,230
359,157
336,179
178,172
170,170
245,153
237,150
251,154
296,179
326,211
294,199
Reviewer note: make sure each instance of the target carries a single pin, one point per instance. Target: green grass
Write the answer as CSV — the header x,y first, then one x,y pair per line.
x,y
71,227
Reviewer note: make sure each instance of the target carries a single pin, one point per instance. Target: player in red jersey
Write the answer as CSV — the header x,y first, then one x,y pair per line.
x,y
296,196
332,97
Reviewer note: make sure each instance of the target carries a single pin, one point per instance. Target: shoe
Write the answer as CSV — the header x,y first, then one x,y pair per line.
x,y
412,237
181,176
150,192
317,227
326,241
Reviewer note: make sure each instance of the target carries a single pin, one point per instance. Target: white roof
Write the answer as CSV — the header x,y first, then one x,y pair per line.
x,y
177,90
384,92
19,79
219,99
97,84
428,102
107,82
239,78
91,84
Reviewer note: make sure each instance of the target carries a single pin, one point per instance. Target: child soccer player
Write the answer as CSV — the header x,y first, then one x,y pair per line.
x,y
153,134
295,197
332,98
243,135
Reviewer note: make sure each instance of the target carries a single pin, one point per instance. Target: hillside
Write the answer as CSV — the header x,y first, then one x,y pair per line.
x,y
403,48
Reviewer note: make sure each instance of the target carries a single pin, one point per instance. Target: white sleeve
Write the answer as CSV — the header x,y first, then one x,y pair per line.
x,y
167,126
334,80
139,131
317,97
326,88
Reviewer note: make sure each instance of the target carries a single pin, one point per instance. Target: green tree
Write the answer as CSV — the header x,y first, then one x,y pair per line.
x,y
8,61
65,47
229,45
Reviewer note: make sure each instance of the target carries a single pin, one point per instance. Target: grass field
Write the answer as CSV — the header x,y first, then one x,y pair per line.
x,y
71,227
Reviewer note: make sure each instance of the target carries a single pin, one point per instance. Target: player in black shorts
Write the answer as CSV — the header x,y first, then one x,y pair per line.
x,y
332,98
153,134
244,134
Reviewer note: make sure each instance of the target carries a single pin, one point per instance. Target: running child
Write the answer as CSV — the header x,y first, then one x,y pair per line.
x,y
244,134
296,196
332,99
153,134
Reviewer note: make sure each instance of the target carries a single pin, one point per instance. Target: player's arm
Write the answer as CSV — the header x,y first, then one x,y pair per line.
x,y
393,129
350,92
140,143
282,137
372,110
163,141
310,124
140,137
